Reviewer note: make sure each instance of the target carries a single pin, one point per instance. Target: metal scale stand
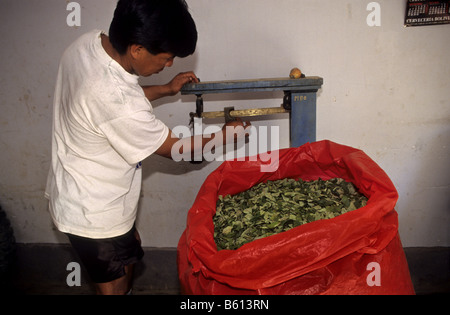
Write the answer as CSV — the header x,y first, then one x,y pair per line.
x,y
299,100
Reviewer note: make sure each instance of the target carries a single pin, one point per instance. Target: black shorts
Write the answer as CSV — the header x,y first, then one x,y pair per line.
x,y
105,259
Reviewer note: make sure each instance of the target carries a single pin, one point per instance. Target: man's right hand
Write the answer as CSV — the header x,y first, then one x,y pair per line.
x,y
234,130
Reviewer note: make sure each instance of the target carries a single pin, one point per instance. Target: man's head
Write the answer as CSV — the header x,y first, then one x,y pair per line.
x,y
164,28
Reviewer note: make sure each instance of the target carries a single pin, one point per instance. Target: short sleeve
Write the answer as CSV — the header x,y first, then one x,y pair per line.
x,y
136,136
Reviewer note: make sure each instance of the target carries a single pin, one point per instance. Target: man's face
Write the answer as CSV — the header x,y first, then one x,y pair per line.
x,y
145,64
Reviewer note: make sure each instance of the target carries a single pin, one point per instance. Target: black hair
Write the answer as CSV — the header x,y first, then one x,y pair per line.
x,y
161,26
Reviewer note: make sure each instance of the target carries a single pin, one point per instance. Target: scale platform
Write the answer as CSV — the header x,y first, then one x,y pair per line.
x,y
299,100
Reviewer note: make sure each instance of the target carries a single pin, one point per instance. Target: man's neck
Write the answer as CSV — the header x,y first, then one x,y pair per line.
x,y
114,54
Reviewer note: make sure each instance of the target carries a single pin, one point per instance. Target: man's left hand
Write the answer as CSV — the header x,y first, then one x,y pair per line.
x,y
180,80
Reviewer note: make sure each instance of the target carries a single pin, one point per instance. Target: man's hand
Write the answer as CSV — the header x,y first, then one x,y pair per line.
x,y
180,80
154,92
234,130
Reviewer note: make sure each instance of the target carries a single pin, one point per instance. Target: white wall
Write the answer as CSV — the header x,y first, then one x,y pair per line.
x,y
386,91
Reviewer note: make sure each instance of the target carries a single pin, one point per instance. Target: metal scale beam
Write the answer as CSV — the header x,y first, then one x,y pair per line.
x,y
300,101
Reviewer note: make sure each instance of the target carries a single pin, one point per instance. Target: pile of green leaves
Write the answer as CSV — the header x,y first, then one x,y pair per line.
x,y
278,206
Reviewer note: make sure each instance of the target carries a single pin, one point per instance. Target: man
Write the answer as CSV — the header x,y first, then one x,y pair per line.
x,y
104,126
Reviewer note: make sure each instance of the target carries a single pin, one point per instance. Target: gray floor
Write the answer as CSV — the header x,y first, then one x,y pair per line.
x,y
41,269
429,269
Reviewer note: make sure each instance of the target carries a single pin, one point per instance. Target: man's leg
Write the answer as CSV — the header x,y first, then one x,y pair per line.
x,y
119,286
110,262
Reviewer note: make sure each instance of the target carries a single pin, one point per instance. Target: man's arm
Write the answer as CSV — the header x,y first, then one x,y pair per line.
x,y
154,92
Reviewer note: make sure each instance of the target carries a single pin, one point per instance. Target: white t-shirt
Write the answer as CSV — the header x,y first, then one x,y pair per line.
x,y
103,127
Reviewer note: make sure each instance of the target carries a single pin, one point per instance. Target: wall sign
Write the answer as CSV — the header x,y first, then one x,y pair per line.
x,y
427,12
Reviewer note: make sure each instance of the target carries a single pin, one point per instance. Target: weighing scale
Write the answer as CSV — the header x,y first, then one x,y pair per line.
x,y
299,100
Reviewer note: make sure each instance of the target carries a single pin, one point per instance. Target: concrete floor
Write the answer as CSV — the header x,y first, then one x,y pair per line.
x,y
430,269
41,269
